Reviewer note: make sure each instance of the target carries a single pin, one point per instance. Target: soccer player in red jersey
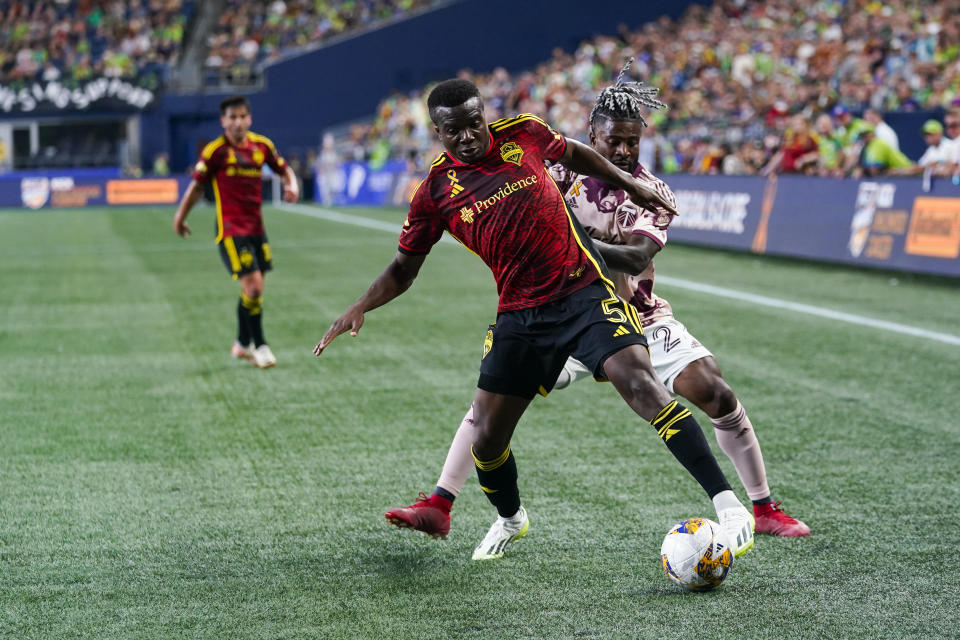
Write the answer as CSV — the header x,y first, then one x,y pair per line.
x,y
628,238
233,164
490,190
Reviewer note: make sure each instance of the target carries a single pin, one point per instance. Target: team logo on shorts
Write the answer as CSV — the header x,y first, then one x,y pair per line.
x,y
487,343
511,152
246,258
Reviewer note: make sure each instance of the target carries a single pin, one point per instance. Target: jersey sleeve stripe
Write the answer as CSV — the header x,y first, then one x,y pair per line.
x,y
256,137
410,252
641,232
574,227
521,118
211,147
219,204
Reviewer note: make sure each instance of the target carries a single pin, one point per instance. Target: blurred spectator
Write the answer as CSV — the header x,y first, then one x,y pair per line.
x,y
249,34
161,165
884,131
308,177
799,150
942,156
829,148
730,72
735,163
878,158
72,41
951,124
327,169
846,126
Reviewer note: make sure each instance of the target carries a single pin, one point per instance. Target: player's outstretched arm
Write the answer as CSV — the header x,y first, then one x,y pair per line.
x,y
630,258
191,195
582,159
395,279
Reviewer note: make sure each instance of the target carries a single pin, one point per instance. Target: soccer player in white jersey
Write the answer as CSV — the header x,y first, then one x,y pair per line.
x,y
628,237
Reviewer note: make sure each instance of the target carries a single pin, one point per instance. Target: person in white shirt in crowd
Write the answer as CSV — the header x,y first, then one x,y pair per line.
x,y
941,157
881,129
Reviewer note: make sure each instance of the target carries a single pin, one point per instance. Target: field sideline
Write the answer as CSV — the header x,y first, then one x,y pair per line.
x,y
154,488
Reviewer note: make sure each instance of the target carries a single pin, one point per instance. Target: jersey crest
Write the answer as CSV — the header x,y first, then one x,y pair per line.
x,y
511,152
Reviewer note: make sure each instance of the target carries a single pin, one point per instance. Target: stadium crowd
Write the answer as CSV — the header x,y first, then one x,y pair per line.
x,y
249,34
753,86
72,41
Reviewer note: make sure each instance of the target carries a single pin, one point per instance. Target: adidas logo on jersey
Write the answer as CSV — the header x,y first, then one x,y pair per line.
x,y
621,331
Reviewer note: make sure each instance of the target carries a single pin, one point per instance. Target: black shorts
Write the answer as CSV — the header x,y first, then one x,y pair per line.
x,y
524,352
245,254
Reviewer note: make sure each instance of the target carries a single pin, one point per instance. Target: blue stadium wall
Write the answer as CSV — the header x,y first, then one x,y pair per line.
x,y
346,81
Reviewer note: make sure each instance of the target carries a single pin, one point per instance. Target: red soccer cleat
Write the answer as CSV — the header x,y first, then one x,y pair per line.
x,y
773,520
428,514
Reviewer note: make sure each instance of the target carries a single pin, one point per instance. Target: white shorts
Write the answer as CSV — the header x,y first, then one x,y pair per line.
x,y
672,348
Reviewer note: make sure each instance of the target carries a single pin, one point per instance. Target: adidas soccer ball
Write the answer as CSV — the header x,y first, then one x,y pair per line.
x,y
695,555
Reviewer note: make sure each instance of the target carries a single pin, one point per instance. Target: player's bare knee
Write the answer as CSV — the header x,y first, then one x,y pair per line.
x,y
720,399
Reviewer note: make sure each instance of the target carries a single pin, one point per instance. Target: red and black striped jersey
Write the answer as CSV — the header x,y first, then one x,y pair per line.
x,y
507,210
235,172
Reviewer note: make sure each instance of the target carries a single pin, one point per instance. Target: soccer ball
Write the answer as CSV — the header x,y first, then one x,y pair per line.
x,y
695,554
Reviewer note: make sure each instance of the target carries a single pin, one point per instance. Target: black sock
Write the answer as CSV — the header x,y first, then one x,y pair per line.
x,y
443,493
243,324
684,438
498,479
254,310
766,500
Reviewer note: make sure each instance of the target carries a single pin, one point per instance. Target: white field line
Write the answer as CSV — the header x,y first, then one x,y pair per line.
x,y
721,292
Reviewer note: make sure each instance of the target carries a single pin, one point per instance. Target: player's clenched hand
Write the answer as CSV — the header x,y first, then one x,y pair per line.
x,y
181,228
647,198
291,194
351,320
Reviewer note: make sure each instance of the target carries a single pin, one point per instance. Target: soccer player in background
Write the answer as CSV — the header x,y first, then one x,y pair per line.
x,y
628,238
490,190
233,164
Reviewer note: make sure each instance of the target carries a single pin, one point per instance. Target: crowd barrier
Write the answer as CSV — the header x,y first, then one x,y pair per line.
x,y
898,223
81,188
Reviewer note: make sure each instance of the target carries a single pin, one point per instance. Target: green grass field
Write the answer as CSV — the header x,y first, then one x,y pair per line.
x,y
151,487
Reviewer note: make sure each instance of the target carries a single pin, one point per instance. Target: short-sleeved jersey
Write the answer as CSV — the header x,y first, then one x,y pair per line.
x,y
607,215
506,209
235,173
878,154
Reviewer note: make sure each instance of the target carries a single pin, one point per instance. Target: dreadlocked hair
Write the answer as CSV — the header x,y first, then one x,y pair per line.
x,y
625,100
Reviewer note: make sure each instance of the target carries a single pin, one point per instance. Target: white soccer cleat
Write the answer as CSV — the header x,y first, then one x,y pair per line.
x,y
263,357
738,525
241,352
503,532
